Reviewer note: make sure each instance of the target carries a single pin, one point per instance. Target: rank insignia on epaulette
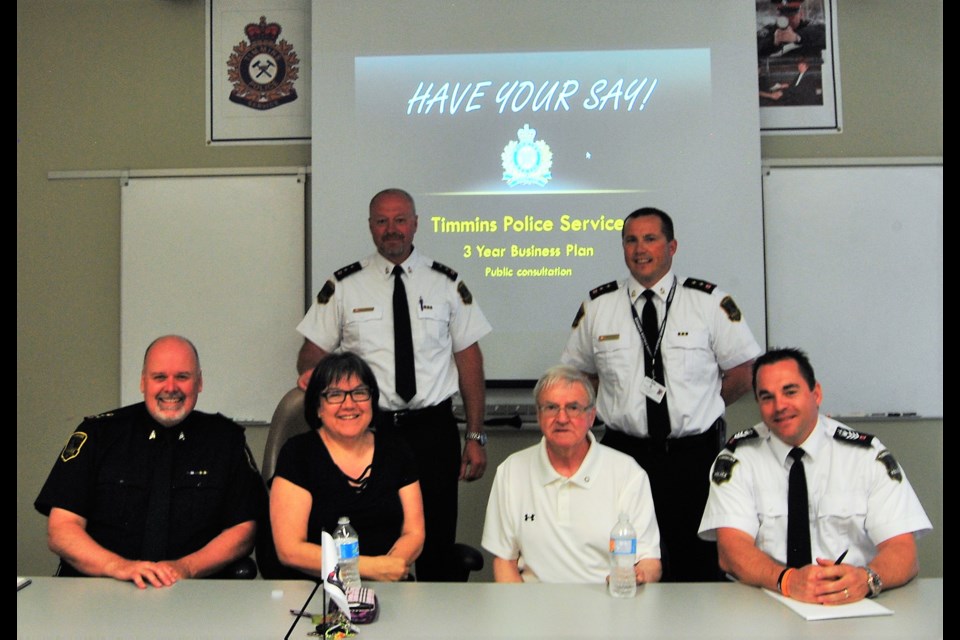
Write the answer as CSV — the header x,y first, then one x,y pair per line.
x,y
740,436
853,437
731,309
72,448
699,285
723,468
348,270
99,416
465,294
580,313
602,289
445,270
323,297
893,469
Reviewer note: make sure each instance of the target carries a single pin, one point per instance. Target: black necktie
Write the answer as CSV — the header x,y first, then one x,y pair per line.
x,y
798,519
157,524
658,417
406,377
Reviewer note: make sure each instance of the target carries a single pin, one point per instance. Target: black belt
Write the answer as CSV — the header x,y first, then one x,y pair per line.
x,y
410,416
714,435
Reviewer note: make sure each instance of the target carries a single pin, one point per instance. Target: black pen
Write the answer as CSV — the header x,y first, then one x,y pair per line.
x,y
842,556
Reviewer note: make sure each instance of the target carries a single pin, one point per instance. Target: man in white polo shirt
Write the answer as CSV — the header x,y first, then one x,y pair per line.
x,y
552,505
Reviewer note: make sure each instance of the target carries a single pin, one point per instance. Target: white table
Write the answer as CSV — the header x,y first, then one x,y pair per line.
x,y
104,608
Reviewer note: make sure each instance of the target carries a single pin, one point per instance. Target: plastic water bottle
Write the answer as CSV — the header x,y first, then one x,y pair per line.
x,y
623,552
348,553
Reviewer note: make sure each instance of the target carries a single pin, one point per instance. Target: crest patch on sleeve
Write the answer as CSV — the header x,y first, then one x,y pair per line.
x,y
731,309
73,446
723,468
323,297
580,313
445,270
465,294
602,289
893,469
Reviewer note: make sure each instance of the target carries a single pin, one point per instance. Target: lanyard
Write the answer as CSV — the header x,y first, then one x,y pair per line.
x,y
653,351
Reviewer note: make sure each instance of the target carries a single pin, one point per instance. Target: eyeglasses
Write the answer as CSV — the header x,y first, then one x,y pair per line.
x,y
339,396
573,410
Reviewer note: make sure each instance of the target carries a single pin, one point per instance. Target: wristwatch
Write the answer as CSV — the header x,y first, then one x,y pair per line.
x,y
479,436
874,583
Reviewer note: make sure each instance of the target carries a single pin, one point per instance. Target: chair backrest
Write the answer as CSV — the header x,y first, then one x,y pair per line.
x,y
287,421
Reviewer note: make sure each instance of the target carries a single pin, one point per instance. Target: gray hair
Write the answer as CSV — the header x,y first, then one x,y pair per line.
x,y
567,375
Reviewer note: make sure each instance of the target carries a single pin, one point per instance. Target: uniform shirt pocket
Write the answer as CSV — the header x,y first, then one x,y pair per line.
x,y
772,512
198,496
434,322
360,323
688,355
618,356
122,496
841,518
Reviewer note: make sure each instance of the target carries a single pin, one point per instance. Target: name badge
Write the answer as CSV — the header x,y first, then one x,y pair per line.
x,y
653,389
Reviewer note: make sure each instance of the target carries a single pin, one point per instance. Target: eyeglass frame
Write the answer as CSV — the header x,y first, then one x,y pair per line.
x,y
325,394
573,410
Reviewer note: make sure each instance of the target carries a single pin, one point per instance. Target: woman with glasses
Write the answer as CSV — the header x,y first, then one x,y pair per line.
x,y
341,468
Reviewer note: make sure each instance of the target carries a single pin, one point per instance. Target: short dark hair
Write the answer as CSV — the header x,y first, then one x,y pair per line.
x,y
666,222
393,191
786,353
333,368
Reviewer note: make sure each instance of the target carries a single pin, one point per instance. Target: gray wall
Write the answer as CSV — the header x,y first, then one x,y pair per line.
x,y
119,84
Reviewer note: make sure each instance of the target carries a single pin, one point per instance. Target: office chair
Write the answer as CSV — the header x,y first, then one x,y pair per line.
x,y
288,421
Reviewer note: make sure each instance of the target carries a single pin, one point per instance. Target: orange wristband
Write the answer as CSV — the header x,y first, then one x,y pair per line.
x,y
782,582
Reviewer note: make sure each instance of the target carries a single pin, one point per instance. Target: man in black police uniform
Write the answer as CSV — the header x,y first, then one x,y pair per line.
x,y
154,492
355,311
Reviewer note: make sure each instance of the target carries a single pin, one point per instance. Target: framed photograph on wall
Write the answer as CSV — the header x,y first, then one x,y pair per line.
x,y
798,73
258,71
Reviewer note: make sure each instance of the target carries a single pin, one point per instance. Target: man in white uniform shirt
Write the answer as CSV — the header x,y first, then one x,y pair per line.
x,y
858,517
662,397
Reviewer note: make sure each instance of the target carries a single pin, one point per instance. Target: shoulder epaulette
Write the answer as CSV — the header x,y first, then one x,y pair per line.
x,y
845,434
444,269
740,436
699,285
100,416
324,295
580,313
348,270
602,289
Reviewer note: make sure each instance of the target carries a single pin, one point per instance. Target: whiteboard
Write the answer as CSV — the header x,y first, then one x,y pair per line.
x,y
219,260
854,273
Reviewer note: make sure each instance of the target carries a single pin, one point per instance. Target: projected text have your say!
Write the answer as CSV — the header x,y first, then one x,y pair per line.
x,y
621,94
